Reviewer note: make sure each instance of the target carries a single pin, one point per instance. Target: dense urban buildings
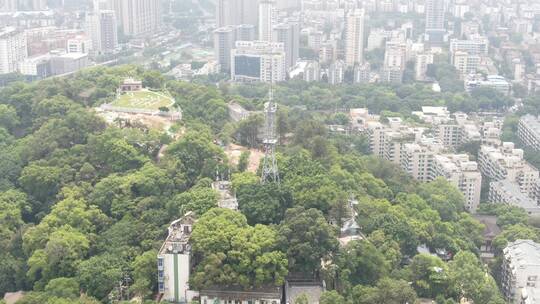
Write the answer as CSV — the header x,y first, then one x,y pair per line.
x,y
406,133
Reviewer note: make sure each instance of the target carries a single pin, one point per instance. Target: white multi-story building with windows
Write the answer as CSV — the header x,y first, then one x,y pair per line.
x,y
12,49
466,63
507,192
476,45
529,131
506,162
521,272
253,61
462,173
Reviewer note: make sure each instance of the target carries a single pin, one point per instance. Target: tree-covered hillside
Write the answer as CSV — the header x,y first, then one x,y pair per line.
x,y
84,205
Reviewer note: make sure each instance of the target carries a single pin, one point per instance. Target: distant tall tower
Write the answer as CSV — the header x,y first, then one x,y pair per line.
x,y
138,17
289,34
236,12
435,29
224,39
267,16
354,37
270,171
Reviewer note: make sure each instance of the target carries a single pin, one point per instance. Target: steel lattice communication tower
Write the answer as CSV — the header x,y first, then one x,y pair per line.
x,y
270,171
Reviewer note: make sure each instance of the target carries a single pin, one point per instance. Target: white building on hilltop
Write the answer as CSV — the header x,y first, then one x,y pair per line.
x,y
521,272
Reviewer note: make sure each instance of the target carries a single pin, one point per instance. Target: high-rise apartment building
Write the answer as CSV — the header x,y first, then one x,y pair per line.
x,y
354,37
395,59
267,19
138,17
236,12
246,32
253,61
102,28
224,42
12,49
435,22
288,34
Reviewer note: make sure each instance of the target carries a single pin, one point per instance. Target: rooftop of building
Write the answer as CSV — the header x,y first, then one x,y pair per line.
x,y
179,233
512,190
523,253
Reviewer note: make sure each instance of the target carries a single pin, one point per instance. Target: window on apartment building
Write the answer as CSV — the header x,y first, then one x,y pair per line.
x,y
532,278
160,262
160,274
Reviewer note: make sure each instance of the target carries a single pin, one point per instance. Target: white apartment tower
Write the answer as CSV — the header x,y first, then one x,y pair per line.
x,y
138,17
12,49
354,37
267,19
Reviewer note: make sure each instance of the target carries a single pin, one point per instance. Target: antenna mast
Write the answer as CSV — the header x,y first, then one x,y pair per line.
x,y
270,171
